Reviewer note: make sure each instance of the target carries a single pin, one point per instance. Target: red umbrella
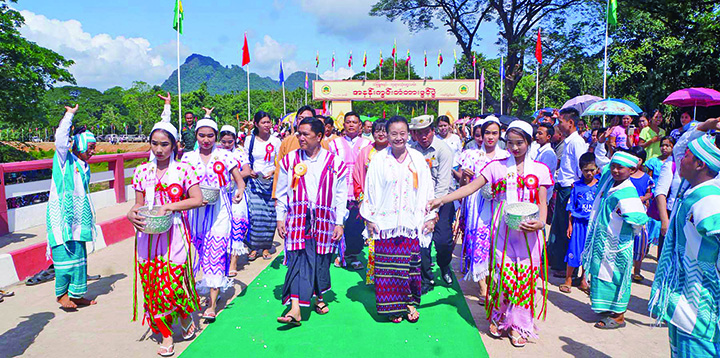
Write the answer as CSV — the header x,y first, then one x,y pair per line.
x,y
694,97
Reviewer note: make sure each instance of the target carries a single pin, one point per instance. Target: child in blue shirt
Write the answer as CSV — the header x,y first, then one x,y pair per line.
x,y
579,206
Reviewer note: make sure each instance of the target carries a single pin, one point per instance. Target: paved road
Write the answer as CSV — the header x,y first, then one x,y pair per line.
x,y
33,326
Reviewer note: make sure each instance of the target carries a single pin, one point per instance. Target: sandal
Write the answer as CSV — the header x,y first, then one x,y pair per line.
x,y
337,263
189,331
609,323
42,276
4,293
565,288
396,319
267,256
167,351
209,316
417,317
232,273
516,341
321,310
252,256
357,265
497,333
637,278
481,300
585,289
288,319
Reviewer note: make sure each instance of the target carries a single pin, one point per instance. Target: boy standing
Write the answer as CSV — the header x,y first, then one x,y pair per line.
x,y
579,207
616,215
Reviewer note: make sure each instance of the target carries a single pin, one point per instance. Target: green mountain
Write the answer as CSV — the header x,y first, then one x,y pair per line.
x,y
225,79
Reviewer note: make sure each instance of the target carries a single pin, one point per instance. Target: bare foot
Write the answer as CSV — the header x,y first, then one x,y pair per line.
x,y
66,302
83,301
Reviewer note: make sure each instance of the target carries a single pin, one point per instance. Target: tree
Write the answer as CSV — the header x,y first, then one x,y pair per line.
x,y
27,70
463,18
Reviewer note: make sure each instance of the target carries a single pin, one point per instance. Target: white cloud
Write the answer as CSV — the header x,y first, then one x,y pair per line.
x,y
339,74
101,61
266,56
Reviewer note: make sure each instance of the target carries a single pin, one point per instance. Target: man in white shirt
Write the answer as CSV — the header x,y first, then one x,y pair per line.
x,y
543,152
348,148
440,159
568,173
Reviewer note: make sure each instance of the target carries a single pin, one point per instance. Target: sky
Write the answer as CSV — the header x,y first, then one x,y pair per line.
x,y
114,43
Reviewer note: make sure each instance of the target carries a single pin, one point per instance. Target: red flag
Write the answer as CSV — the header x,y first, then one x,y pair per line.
x,y
538,49
246,52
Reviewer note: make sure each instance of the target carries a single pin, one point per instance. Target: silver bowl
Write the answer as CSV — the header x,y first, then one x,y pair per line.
x,y
155,224
516,213
210,194
486,191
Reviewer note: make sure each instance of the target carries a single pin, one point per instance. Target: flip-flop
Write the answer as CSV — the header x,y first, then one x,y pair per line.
x,y
610,323
497,333
42,276
565,288
267,257
396,319
93,278
319,309
167,351
586,289
293,321
189,331
357,265
413,320
637,278
232,273
515,341
481,300
252,257
6,293
208,316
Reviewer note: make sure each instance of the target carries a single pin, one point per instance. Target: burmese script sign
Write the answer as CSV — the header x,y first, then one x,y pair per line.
x,y
398,90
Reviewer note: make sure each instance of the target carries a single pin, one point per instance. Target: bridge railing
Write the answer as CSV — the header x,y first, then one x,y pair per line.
x,y
115,176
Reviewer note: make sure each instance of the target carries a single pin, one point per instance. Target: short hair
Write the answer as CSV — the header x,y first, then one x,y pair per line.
x,y
380,123
639,152
442,118
596,119
329,121
190,113
352,114
305,108
587,158
549,127
316,125
396,119
667,137
570,113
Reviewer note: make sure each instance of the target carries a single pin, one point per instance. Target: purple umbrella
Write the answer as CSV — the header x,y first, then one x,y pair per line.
x,y
694,97
581,103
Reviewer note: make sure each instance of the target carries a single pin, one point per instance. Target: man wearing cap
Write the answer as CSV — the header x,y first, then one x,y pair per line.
x,y
686,291
70,214
568,173
188,131
439,158
616,216
348,148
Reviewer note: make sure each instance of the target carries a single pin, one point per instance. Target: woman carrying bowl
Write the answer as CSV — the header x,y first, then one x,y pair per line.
x,y
162,245
211,223
517,265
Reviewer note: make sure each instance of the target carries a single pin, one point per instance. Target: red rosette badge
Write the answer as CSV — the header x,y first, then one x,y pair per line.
x,y
175,192
268,152
532,183
219,169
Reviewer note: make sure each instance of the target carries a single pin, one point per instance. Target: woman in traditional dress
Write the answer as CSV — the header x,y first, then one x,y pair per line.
x,y
517,265
311,207
210,224
398,186
163,259
70,213
262,148
239,223
479,205
380,142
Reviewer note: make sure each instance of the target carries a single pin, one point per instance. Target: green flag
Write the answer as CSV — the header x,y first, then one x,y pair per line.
x,y
179,16
612,13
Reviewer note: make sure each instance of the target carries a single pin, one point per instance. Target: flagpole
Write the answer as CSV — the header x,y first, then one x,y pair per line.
x,y
607,12
247,70
408,68
537,86
306,89
502,82
283,89
178,80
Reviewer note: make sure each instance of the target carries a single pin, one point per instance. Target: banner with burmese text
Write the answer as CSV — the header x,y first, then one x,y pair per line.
x,y
398,90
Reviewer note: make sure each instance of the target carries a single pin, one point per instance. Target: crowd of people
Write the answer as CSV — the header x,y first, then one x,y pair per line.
x,y
597,199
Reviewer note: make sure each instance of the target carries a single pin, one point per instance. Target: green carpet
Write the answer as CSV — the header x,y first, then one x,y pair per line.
x,y
353,328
